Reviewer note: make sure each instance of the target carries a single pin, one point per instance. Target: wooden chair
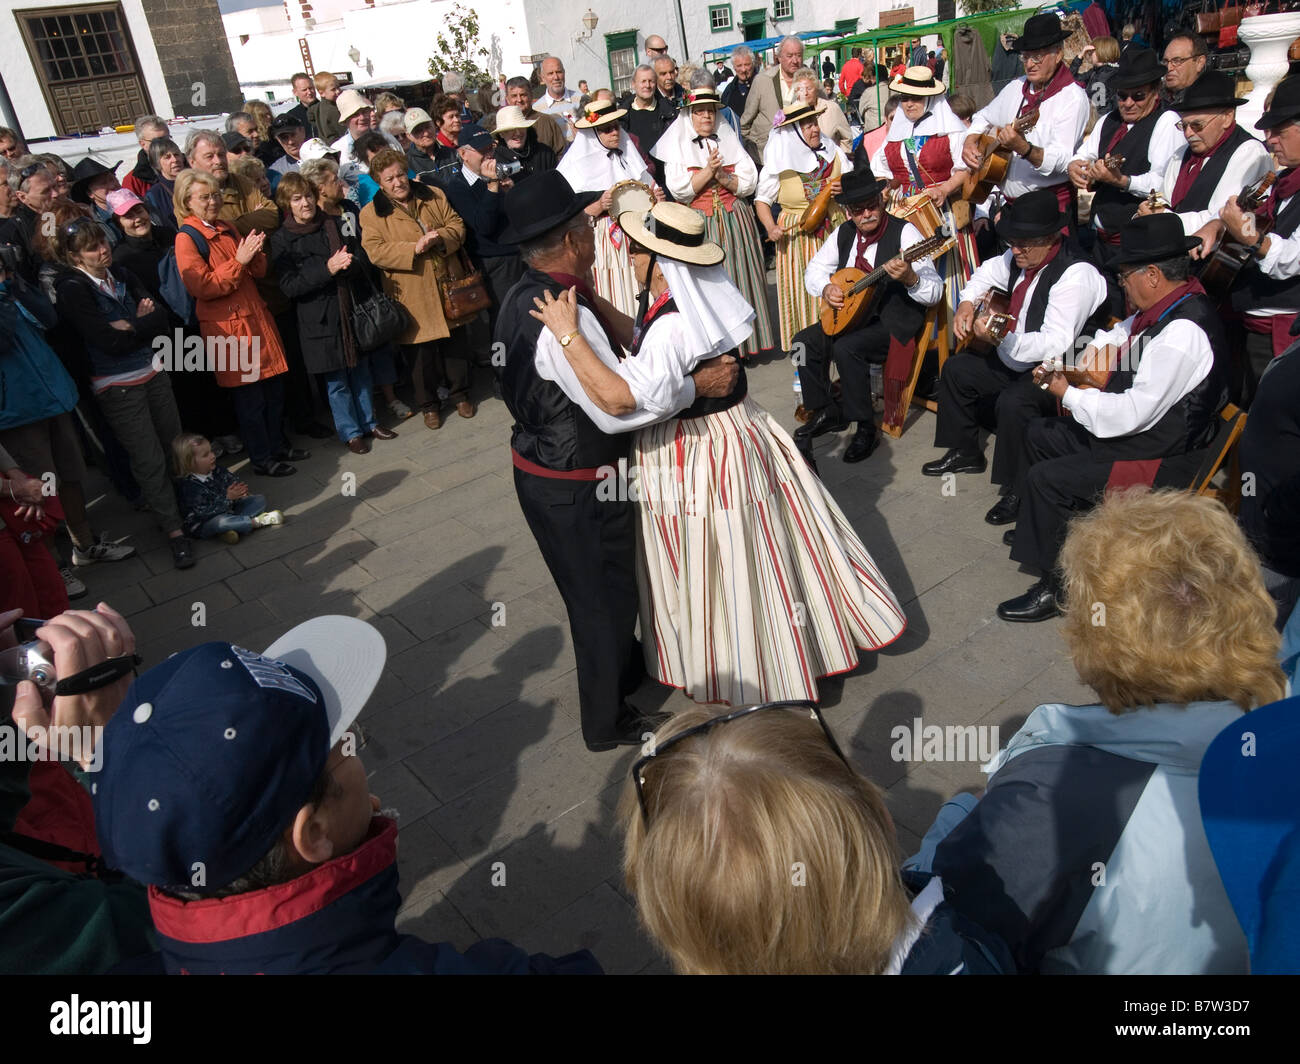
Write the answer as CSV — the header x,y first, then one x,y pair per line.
x,y
1234,419
937,324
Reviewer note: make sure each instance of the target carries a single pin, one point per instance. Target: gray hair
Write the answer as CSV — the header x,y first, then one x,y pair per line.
x,y
640,67
531,251
1177,269
25,162
453,82
239,116
205,136
662,59
313,171
742,51
150,122
160,147
702,79
789,39
392,122
806,74
519,83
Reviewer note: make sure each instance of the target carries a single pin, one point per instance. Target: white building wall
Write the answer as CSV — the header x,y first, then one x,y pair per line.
x,y
21,78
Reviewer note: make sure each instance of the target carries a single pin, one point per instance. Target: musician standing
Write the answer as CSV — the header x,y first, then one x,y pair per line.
x,y
871,237
1141,130
1219,157
1043,154
1161,402
1267,291
1057,293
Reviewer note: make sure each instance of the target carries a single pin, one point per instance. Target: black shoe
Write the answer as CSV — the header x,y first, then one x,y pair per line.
x,y
1037,604
1009,537
316,431
827,419
805,447
955,461
182,552
293,454
864,441
1004,511
275,469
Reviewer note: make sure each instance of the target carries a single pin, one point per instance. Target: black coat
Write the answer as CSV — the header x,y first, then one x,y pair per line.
x,y
299,261
142,257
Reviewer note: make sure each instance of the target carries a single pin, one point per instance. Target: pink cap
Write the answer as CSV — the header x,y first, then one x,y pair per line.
x,y
121,200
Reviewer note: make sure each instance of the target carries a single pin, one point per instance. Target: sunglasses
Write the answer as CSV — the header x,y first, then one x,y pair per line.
x,y
80,225
638,769
862,208
1192,127
1136,97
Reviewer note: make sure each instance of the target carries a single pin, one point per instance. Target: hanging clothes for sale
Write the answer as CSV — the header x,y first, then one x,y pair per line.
x,y
971,73
1006,64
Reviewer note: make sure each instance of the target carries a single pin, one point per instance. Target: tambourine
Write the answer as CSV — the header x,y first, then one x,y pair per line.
x,y
630,196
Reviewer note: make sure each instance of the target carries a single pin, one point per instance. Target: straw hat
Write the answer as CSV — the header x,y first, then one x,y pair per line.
x,y
702,98
799,112
917,81
599,113
511,117
674,231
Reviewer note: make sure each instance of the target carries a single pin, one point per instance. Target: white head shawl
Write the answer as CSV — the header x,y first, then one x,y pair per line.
x,y
588,166
714,313
939,120
787,150
677,144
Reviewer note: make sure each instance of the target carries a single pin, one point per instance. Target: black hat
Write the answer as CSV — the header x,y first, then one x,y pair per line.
x,y
236,142
1151,238
1034,214
285,122
1137,67
1041,31
83,172
1212,91
859,186
472,135
1284,105
541,203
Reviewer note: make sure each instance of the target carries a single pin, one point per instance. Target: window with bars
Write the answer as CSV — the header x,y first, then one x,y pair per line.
x,y
782,10
620,52
719,17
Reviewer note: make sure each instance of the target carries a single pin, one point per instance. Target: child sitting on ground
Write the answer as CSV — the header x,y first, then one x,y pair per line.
x,y
213,501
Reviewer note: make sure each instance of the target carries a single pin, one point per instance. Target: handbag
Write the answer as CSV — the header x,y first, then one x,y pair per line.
x,y
376,318
463,297
1208,21
1229,22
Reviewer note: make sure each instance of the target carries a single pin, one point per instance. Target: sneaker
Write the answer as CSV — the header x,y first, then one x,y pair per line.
x,y
293,454
75,588
102,550
275,469
182,552
229,536
400,410
271,517
230,444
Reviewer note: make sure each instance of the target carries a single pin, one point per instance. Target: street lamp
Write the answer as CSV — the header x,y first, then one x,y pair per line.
x,y
589,20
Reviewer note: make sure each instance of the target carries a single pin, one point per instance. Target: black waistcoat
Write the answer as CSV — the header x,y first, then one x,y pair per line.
x,y
550,429
1198,196
1034,313
1254,288
1190,423
703,404
1114,206
898,312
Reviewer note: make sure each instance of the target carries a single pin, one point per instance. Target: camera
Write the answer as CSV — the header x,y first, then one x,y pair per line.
x,y
29,661
509,169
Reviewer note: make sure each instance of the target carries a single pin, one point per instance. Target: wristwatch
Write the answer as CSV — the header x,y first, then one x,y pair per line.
x,y
567,338
1257,248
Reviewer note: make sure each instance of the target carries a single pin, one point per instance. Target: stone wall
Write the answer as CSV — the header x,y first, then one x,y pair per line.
x,y
191,43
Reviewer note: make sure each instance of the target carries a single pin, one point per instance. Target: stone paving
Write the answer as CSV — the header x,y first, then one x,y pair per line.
x,y
473,731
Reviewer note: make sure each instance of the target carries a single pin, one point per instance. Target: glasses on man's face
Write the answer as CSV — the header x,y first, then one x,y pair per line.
x,y
1034,57
855,210
638,769
1195,126
1176,61
1136,97
1124,275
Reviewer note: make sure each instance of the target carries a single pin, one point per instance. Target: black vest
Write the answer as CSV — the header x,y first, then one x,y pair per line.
x,y
1254,288
1034,313
1111,205
898,312
550,429
1191,422
703,404
1198,196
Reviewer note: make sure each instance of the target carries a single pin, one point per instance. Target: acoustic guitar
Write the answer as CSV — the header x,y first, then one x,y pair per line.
x,y
995,161
1227,258
1113,161
995,309
862,290
1092,369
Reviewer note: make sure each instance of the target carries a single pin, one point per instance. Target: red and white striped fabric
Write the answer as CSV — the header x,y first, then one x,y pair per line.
x,y
753,583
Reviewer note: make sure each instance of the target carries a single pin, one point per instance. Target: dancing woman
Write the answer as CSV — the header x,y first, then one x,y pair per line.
x,y
752,582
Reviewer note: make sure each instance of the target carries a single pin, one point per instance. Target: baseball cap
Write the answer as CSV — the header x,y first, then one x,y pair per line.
x,y
236,142
472,135
316,149
285,122
350,102
121,200
213,751
415,116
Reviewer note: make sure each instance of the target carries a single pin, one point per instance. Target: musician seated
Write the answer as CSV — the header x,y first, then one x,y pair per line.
x,y
1161,400
891,318
1266,293
1043,153
1056,295
1140,135
1218,159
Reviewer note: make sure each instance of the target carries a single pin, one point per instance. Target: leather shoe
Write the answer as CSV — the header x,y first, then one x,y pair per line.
x,y
358,445
466,409
1004,511
955,461
1037,604
383,434
1009,537
433,419
827,419
293,454
863,443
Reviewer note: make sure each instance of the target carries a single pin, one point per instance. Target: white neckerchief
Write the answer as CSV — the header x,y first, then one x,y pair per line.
x,y
939,120
588,166
786,150
715,315
677,145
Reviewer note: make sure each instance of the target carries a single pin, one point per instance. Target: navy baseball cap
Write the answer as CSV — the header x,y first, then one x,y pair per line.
x,y
474,136
213,752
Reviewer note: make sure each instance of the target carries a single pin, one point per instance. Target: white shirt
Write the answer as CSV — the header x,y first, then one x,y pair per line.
x,y
1171,365
350,170
1281,262
1249,162
471,178
1165,140
1062,118
678,176
658,393
1076,295
561,109
769,178
880,165
926,291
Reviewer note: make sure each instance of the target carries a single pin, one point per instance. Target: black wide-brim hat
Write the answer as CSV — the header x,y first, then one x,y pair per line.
x,y
1151,238
1212,91
1137,67
860,185
541,203
83,173
1041,31
1033,215
1284,106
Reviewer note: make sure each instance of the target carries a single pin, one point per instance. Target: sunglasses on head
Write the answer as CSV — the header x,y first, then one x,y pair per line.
x,y
79,225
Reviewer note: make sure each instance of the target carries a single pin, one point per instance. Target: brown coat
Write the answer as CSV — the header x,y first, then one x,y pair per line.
x,y
389,235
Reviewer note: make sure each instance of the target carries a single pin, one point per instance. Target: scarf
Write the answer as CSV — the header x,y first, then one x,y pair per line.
x,y
1153,314
866,240
1286,186
1027,278
1030,99
1190,169
584,289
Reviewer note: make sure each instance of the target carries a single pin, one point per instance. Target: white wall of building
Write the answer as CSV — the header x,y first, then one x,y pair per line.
x,y
21,77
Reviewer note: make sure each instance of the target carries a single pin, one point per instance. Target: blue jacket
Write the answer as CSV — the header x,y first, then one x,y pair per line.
x,y
201,500
33,383
336,919
89,310
485,219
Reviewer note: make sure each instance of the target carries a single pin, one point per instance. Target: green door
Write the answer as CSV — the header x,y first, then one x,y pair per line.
x,y
754,24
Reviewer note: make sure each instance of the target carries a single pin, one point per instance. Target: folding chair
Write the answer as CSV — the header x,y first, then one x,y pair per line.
x,y
1234,420
938,323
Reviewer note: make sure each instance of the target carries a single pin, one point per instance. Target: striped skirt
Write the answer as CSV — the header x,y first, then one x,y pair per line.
x,y
737,232
796,308
752,581
614,278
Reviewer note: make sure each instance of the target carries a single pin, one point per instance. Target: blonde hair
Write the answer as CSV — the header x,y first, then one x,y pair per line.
x,y
807,74
1107,49
1167,604
324,80
764,852
261,112
183,448
249,166
315,171
388,101
185,182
